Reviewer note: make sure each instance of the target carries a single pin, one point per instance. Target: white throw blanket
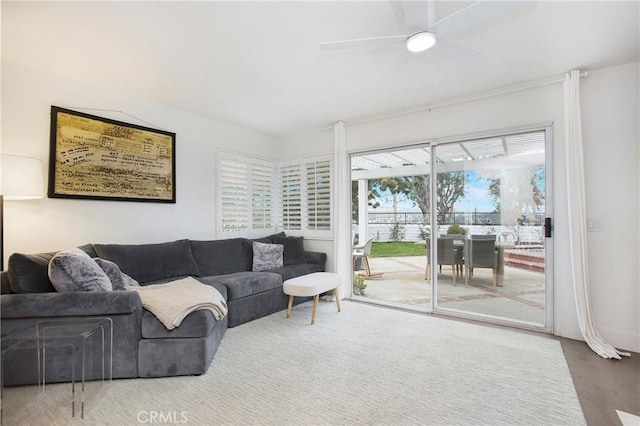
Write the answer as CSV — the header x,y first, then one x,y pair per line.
x,y
173,301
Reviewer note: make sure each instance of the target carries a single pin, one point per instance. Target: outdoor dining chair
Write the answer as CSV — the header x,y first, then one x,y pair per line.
x,y
480,253
362,252
447,254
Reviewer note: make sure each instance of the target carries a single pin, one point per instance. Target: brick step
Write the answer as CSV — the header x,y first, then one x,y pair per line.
x,y
524,255
536,265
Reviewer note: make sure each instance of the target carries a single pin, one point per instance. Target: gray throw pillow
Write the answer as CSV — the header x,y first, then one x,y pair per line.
x,y
119,280
75,270
267,256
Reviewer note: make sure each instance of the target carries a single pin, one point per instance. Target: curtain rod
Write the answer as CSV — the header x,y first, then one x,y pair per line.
x,y
463,99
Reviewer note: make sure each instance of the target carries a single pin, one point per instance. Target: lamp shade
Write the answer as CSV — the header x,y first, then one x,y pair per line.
x,y
22,177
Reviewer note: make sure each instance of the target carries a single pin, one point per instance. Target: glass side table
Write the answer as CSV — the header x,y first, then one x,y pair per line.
x,y
65,333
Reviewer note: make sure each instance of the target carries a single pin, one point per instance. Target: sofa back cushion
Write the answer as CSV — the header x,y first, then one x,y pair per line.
x,y
151,262
28,273
247,246
219,257
293,250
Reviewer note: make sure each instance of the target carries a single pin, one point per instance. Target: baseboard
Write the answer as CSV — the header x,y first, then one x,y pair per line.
x,y
619,339
567,329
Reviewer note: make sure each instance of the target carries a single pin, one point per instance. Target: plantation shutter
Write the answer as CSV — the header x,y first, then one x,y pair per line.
x,y
262,175
291,197
318,177
256,195
233,175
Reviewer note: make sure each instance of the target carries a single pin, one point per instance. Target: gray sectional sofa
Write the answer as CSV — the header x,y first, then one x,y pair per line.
x,y
142,346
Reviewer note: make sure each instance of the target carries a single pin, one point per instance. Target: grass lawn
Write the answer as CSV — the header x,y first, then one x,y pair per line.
x,y
396,249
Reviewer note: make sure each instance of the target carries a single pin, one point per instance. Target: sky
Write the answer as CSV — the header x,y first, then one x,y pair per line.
x,y
476,198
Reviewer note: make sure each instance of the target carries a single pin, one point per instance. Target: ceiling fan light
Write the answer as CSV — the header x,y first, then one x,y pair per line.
x,y
419,42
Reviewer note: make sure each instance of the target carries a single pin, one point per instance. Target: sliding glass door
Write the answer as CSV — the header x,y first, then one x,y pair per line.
x,y
491,197
485,256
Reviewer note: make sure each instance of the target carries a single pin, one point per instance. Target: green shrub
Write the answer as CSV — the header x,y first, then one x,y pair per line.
x,y
397,232
456,229
424,232
358,285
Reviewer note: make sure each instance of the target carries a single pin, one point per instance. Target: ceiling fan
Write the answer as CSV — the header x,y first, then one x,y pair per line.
x,y
424,29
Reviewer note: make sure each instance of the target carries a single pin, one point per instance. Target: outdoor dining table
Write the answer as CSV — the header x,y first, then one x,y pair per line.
x,y
501,246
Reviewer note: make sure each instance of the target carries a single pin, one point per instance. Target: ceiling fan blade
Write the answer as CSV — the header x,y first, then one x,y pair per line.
x,y
364,42
459,53
454,14
483,12
411,16
432,12
398,14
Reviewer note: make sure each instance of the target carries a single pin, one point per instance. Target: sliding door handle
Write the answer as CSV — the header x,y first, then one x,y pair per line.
x,y
547,227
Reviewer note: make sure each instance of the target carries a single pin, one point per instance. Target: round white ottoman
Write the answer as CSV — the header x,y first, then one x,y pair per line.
x,y
312,285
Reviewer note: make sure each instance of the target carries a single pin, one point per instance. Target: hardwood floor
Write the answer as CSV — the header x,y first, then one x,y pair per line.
x,y
603,385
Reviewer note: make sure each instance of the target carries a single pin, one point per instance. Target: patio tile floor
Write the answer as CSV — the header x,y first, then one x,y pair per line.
x,y
521,297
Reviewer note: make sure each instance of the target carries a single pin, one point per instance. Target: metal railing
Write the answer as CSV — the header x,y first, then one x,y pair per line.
x,y
458,218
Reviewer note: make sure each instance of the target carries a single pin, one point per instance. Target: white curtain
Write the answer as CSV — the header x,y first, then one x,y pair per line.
x,y
577,218
342,209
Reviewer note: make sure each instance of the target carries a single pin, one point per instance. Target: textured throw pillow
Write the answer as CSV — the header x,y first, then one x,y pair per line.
x,y
119,280
75,270
267,256
293,250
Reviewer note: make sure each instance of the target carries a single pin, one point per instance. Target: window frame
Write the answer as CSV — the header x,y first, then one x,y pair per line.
x,y
252,179
302,223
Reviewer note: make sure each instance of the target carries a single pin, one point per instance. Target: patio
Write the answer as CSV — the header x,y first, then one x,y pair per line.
x,y
521,297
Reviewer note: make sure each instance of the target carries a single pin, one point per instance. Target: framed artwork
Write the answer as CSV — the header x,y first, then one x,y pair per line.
x,y
98,158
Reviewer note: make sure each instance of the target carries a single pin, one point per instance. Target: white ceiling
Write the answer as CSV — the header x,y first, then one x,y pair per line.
x,y
258,63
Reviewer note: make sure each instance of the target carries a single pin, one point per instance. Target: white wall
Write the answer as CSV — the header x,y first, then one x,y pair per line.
x,y
610,119
610,115
53,224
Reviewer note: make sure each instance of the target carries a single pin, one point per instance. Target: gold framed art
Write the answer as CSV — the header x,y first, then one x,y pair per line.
x,y
99,158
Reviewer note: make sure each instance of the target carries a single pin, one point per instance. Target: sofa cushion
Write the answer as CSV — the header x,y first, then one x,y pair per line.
x,y
215,284
119,280
74,304
267,256
269,238
74,270
151,262
29,273
293,249
242,284
196,324
5,288
218,257
293,271
247,246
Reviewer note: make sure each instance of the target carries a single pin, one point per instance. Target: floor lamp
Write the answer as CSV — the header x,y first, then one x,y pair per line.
x,y
22,178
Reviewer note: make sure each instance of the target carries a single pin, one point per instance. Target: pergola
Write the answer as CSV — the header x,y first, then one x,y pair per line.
x,y
521,149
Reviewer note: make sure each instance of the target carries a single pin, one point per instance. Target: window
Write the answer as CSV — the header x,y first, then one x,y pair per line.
x,y
318,195
262,177
290,197
245,188
305,196
233,178
257,195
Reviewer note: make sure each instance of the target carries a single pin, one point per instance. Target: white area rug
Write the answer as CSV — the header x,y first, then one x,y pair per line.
x,y
364,366
628,419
